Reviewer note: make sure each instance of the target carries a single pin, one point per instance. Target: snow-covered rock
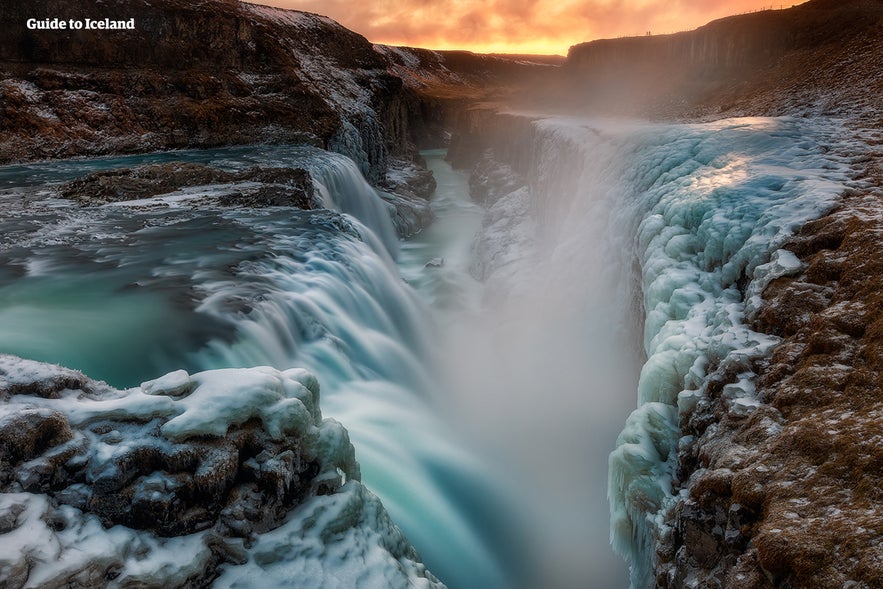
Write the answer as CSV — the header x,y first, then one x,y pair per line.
x,y
229,475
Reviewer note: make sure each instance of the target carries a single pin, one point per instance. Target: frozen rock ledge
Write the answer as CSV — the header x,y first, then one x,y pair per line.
x,y
225,478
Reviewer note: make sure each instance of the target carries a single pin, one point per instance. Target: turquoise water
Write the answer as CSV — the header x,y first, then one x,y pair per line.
x,y
128,294
482,415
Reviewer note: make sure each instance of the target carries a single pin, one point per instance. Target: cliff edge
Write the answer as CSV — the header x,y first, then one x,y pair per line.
x,y
820,57
193,74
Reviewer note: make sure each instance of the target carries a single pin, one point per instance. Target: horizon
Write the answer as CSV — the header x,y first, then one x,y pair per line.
x,y
503,26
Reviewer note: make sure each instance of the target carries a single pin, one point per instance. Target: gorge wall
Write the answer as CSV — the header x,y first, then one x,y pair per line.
x,y
780,496
222,72
813,58
194,74
751,461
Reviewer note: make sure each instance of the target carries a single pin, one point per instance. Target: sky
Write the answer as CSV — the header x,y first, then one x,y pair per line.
x,y
517,26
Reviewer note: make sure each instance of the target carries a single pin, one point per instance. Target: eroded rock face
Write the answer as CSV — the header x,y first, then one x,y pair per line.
x,y
161,485
255,187
119,454
786,494
814,58
266,75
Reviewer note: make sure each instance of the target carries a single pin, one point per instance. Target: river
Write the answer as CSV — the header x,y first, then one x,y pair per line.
x,y
483,413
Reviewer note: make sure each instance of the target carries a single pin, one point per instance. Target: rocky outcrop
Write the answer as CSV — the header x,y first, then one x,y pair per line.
x,y
511,136
256,187
789,496
211,73
443,84
777,488
102,486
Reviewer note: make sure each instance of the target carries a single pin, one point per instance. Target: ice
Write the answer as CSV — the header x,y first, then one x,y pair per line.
x,y
339,536
701,212
716,204
316,547
170,385
782,263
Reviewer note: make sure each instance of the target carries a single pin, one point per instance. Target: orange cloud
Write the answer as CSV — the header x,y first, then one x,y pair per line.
x,y
517,26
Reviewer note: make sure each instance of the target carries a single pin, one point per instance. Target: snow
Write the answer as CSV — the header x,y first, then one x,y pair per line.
x,y
295,18
170,385
190,197
401,54
232,396
341,539
317,544
702,212
782,263
338,85
27,89
716,203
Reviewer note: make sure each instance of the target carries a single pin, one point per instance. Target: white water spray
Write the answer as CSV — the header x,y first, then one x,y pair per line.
x,y
642,236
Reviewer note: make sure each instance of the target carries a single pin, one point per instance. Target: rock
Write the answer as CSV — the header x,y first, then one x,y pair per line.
x,y
92,473
790,478
255,187
767,63
267,75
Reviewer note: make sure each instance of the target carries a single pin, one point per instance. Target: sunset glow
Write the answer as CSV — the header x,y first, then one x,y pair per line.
x,y
517,26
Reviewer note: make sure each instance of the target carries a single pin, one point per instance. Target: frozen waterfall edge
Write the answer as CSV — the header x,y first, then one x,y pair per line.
x,y
702,211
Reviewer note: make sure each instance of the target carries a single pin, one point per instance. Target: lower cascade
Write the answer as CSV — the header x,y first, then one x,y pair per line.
x,y
475,377
681,226
622,263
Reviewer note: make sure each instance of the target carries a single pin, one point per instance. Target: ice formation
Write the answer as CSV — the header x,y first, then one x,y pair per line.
x,y
228,475
709,206
685,223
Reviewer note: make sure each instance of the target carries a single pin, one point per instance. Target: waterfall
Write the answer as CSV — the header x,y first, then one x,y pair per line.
x,y
632,261
138,293
698,211
337,306
343,188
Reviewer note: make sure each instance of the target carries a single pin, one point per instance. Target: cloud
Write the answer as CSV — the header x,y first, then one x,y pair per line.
x,y
543,26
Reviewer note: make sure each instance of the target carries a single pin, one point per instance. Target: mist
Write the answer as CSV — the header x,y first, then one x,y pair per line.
x,y
542,372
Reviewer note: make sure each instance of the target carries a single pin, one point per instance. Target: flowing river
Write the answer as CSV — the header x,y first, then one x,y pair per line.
x,y
483,413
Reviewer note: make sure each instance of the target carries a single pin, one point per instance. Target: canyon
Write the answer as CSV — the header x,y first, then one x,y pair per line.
x,y
752,457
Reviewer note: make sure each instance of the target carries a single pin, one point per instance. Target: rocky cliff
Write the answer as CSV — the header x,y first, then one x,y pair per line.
x,y
808,58
449,83
228,476
194,74
787,496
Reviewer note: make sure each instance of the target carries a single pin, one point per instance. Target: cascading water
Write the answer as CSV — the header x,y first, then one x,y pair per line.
x,y
625,266
128,293
699,211
540,365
